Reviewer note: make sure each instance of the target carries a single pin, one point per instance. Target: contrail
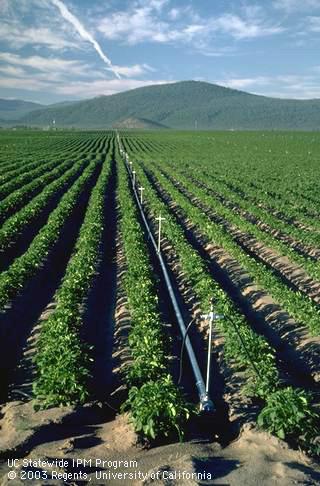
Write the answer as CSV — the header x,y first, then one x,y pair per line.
x,y
82,31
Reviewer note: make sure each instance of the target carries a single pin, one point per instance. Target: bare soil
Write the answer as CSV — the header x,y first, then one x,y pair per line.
x,y
300,247
292,273
253,458
291,340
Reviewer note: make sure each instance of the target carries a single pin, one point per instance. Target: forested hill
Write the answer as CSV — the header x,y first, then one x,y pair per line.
x,y
183,105
15,109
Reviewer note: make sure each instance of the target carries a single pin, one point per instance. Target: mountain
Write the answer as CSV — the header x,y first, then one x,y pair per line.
x,y
15,109
184,105
138,123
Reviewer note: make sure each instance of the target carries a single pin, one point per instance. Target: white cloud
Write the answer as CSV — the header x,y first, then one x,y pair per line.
x,y
293,86
76,89
18,35
12,71
25,84
105,87
244,28
174,13
56,69
141,22
66,77
313,24
135,25
46,64
290,6
243,83
135,70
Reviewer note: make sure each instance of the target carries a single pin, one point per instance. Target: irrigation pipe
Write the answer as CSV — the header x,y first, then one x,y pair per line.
x,y
206,404
182,350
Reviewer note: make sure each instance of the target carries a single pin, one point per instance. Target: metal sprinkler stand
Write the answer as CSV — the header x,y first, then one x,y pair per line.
x,y
212,316
141,189
160,219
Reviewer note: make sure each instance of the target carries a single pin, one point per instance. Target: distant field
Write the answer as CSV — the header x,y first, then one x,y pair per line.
x,y
83,306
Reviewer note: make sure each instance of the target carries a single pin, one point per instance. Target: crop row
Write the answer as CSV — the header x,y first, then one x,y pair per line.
x,y
18,198
13,280
241,164
155,403
20,175
23,164
287,411
63,359
21,221
253,213
261,199
22,161
233,223
295,303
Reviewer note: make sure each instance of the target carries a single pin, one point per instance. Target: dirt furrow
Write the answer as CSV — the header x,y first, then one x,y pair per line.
x,y
305,250
295,348
233,409
293,274
278,214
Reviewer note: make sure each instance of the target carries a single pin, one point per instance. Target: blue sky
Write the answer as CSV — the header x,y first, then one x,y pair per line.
x,y
54,50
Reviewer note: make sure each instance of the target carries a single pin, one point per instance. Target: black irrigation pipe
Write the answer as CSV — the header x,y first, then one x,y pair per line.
x,y
206,404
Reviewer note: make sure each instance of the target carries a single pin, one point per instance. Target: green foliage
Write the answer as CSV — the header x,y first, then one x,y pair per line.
x,y
158,408
297,304
156,405
146,337
15,225
288,414
243,348
63,359
26,266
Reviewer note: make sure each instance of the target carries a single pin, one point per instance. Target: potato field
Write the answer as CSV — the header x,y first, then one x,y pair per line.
x,y
86,316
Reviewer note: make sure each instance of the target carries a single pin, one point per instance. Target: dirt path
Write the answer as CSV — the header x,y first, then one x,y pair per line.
x,y
300,247
293,274
291,340
253,458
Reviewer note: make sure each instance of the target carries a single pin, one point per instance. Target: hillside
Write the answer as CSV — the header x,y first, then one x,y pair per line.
x,y
182,105
138,123
15,109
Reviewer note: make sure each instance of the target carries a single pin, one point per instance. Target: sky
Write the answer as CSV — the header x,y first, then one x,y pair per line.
x,y
56,50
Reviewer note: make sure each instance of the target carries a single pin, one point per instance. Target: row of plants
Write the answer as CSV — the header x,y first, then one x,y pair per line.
x,y
254,212
261,198
21,196
15,226
268,204
18,163
63,358
298,305
285,194
16,200
286,411
253,163
13,280
12,180
230,217
156,405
